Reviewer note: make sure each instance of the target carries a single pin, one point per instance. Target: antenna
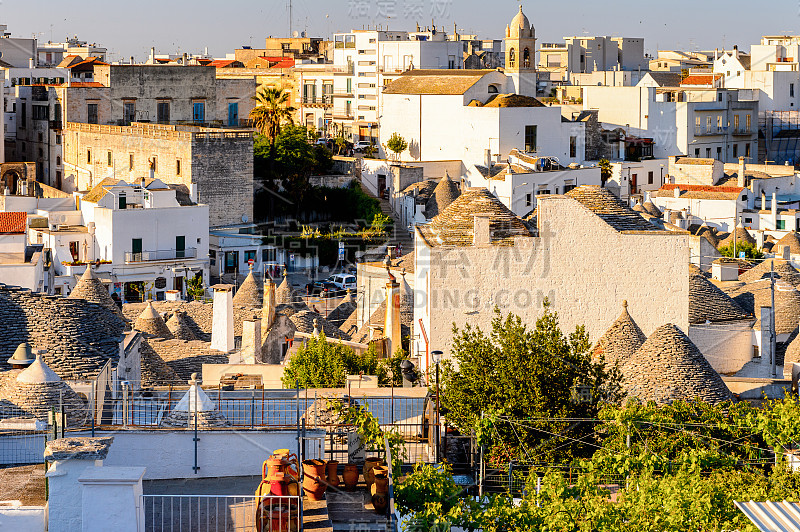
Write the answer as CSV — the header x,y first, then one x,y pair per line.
x,y
290,18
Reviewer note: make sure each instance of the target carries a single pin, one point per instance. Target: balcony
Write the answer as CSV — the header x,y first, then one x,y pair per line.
x,y
343,115
708,131
325,100
342,93
56,124
163,254
742,132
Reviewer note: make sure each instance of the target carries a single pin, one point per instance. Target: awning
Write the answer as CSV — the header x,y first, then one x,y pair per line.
x,y
771,516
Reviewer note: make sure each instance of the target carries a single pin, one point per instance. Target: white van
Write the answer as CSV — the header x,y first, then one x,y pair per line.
x,y
343,281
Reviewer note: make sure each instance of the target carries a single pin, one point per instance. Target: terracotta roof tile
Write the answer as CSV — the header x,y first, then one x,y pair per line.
x,y
435,82
13,222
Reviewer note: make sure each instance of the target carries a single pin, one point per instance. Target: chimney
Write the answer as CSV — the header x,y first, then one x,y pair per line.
x,y
482,230
185,59
763,201
487,159
222,321
268,309
760,239
251,341
391,324
30,63
766,336
742,179
153,54
774,207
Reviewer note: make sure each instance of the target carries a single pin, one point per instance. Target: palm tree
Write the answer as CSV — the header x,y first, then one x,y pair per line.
x,y
270,112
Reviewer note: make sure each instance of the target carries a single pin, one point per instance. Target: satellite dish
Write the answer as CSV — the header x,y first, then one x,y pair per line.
x,y
295,34
244,218
62,219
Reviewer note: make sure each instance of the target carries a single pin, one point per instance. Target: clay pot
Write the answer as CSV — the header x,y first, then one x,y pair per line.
x,y
333,474
314,484
380,489
369,464
350,476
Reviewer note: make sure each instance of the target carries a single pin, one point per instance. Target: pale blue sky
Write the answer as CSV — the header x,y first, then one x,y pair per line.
x,y
132,27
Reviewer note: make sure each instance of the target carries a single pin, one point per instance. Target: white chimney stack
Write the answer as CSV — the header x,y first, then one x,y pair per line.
x,y
222,321
742,181
251,341
775,210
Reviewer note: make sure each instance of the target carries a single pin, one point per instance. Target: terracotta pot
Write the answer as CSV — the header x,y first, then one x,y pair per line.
x,y
333,474
369,464
314,484
350,476
380,501
380,489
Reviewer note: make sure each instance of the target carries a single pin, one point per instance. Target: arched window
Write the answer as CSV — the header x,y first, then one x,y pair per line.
x,y
493,89
512,57
526,58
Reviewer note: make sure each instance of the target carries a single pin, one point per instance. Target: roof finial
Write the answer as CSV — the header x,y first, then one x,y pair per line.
x,y
625,304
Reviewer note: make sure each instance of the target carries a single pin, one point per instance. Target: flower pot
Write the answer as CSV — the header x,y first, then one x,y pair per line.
x,y
350,476
333,476
314,484
369,464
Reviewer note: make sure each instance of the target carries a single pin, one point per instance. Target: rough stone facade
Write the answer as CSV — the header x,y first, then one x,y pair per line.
x,y
216,165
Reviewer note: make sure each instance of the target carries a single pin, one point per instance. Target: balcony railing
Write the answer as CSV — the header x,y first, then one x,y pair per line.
x,y
162,254
706,131
325,99
744,131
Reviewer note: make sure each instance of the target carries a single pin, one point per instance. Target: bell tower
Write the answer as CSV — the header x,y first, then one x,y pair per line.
x,y
520,44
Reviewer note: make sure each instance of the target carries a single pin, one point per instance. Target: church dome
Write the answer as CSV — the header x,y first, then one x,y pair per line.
x,y
520,26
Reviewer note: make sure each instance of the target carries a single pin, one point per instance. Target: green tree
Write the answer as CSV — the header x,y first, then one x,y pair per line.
x,y
271,111
605,171
520,374
195,287
396,144
750,250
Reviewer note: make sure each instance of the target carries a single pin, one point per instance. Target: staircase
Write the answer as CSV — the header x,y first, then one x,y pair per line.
x,y
398,234
354,511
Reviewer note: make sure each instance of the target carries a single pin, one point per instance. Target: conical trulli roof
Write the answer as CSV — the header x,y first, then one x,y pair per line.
x,y
444,194
150,322
741,236
790,239
283,294
179,327
709,233
620,341
249,293
37,389
343,310
90,288
195,402
783,270
651,209
669,367
638,207
709,303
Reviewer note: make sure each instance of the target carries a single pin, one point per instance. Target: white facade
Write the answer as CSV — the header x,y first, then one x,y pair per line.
x,y
630,178
710,123
776,53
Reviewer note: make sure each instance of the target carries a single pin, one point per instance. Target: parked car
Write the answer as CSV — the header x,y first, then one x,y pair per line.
x,y
322,288
362,145
343,281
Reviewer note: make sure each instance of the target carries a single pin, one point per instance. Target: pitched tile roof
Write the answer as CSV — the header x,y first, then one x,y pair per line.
x,y
694,160
700,79
610,209
13,222
699,192
455,226
512,100
435,82
709,303
423,189
620,341
99,191
669,367
666,79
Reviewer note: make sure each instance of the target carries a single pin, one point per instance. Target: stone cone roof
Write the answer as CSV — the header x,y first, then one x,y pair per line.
x,y
741,236
790,239
651,209
783,270
37,389
155,371
709,303
639,208
284,294
90,288
620,341
445,193
150,322
787,304
669,367
304,323
378,319
709,233
792,354
343,310
195,400
178,325
249,294
767,247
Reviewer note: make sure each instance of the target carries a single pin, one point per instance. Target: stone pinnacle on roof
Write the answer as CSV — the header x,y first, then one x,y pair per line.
x,y
90,288
150,322
22,357
249,293
444,194
620,341
178,325
669,367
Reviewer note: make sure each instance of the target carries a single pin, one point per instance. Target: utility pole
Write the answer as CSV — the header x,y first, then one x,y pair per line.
x,y
290,18
772,317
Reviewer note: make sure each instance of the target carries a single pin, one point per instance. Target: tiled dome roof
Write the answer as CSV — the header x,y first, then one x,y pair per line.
x,y
455,226
651,209
669,367
150,322
709,303
284,294
790,239
249,294
741,236
445,193
179,326
753,296
620,341
90,288
783,270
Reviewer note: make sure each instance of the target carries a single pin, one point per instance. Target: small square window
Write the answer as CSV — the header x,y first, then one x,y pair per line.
x,y
88,156
110,161
178,167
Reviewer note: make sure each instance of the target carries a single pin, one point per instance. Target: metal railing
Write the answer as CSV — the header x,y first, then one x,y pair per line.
x,y
742,131
325,99
162,254
222,513
705,131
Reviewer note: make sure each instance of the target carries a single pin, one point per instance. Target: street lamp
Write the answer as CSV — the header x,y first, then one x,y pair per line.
x,y
437,357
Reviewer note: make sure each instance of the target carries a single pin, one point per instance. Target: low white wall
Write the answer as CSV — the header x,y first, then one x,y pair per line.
x,y
169,454
727,347
22,518
271,374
